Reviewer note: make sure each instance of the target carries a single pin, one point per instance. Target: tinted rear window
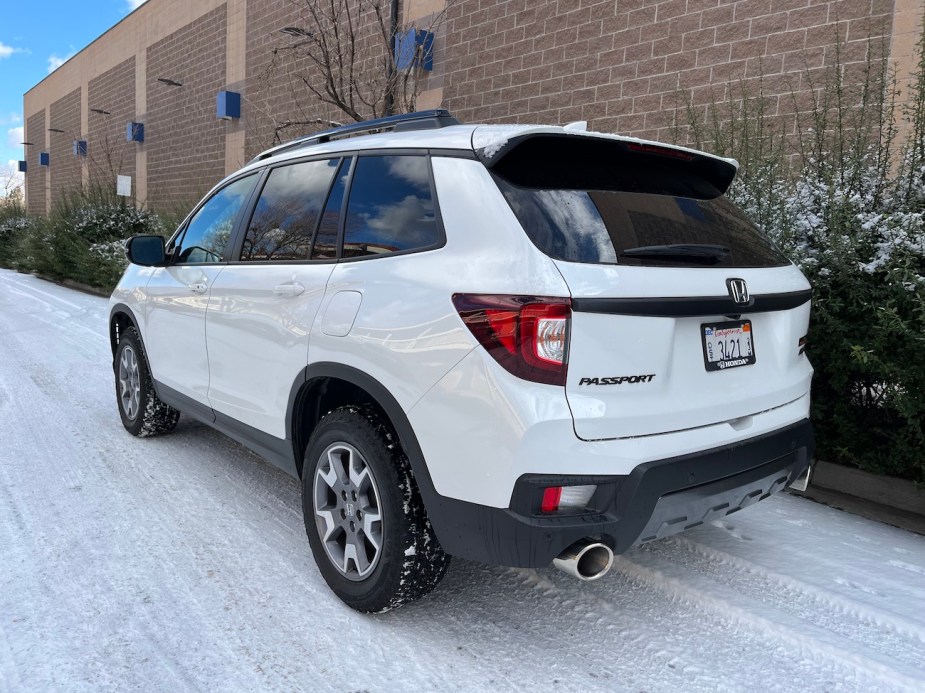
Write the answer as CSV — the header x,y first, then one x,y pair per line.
x,y
391,207
594,226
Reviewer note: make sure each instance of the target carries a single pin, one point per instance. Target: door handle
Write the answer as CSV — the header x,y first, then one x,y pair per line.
x,y
293,289
199,288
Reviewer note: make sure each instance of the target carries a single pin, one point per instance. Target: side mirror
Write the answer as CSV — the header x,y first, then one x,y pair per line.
x,y
147,251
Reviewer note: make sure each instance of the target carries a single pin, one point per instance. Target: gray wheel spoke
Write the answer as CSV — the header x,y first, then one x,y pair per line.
x,y
330,478
372,529
359,555
330,526
359,478
350,557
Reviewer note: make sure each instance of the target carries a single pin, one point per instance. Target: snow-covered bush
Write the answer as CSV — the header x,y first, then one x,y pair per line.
x,y
14,226
83,240
90,240
849,210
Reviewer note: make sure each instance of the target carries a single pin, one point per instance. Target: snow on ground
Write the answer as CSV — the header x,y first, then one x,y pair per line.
x,y
180,563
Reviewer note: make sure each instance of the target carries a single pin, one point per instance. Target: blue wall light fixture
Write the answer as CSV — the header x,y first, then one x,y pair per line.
x,y
228,105
44,159
135,132
80,147
414,48
22,167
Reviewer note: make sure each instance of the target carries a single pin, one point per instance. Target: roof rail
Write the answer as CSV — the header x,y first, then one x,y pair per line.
x,y
419,120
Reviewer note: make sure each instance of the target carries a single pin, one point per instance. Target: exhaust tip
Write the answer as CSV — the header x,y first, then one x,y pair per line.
x,y
586,559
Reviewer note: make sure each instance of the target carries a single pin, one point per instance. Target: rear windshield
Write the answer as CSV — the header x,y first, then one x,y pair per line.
x,y
639,228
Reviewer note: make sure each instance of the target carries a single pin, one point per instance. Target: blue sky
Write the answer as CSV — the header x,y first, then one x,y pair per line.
x,y
35,37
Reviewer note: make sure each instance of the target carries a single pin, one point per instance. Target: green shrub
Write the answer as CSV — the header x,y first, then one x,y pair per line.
x,y
83,240
848,209
90,239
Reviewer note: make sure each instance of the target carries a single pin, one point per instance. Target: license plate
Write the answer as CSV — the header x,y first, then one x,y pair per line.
x,y
727,345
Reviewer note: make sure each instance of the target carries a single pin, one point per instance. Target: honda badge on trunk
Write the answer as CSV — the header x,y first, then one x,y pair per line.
x,y
738,289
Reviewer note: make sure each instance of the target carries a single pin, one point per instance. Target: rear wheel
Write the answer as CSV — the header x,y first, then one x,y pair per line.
x,y
364,517
143,414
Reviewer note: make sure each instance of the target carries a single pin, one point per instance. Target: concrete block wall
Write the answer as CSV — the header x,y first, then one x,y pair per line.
x,y
631,66
185,142
109,153
35,174
66,170
628,66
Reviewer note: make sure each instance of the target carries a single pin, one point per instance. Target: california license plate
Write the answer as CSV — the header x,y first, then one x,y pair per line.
x,y
727,345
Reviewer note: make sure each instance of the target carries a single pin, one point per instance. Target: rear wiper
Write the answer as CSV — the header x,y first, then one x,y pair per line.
x,y
702,252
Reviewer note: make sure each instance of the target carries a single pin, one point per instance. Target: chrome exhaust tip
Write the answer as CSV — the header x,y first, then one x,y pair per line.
x,y
586,559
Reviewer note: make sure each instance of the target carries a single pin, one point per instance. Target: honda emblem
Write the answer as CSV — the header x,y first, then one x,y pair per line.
x,y
738,290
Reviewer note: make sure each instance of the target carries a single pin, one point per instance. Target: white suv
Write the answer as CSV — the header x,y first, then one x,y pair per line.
x,y
520,345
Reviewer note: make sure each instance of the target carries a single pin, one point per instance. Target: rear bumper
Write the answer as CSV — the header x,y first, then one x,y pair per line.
x,y
655,500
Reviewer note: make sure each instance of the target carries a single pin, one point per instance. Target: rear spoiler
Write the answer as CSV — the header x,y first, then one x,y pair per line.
x,y
579,161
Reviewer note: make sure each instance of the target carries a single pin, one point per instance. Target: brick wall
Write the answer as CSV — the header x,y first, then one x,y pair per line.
x,y
35,174
630,66
185,142
65,168
109,154
275,90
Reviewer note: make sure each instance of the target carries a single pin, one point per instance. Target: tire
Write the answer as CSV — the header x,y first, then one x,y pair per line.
x,y
143,414
395,559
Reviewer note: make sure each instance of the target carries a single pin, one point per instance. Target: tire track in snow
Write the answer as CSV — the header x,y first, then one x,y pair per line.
x,y
181,562
747,610
871,627
90,599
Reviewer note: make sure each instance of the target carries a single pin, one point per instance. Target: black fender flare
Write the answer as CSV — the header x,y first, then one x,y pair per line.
x,y
392,409
121,308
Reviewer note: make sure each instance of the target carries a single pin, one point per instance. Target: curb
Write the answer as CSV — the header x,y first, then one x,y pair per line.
x,y
71,284
884,490
896,502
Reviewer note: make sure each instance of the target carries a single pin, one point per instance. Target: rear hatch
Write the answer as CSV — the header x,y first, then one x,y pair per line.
x,y
684,314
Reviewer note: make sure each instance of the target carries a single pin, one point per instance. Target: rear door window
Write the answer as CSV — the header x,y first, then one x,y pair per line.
x,y
391,207
284,220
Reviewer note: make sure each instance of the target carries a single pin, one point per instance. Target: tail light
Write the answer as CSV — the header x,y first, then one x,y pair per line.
x,y
527,335
556,498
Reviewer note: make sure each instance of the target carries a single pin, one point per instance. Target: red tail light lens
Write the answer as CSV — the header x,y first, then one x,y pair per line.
x,y
527,335
551,497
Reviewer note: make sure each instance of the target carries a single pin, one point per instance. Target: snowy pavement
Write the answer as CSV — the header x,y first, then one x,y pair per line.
x,y
180,563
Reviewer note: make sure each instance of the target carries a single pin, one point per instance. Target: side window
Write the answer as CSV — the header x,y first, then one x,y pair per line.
x,y
287,212
391,207
326,242
210,228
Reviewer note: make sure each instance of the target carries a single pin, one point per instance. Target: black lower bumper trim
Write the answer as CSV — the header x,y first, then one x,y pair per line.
x,y
657,499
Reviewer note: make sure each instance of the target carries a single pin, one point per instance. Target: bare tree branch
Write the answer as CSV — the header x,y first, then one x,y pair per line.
x,y
343,57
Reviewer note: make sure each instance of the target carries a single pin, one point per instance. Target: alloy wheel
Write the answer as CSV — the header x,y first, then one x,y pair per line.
x,y
347,511
129,383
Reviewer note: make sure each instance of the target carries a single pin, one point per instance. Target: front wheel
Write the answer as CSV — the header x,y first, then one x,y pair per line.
x,y
143,414
366,524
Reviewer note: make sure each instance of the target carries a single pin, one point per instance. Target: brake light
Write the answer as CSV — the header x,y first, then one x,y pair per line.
x,y
527,335
551,497
645,148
